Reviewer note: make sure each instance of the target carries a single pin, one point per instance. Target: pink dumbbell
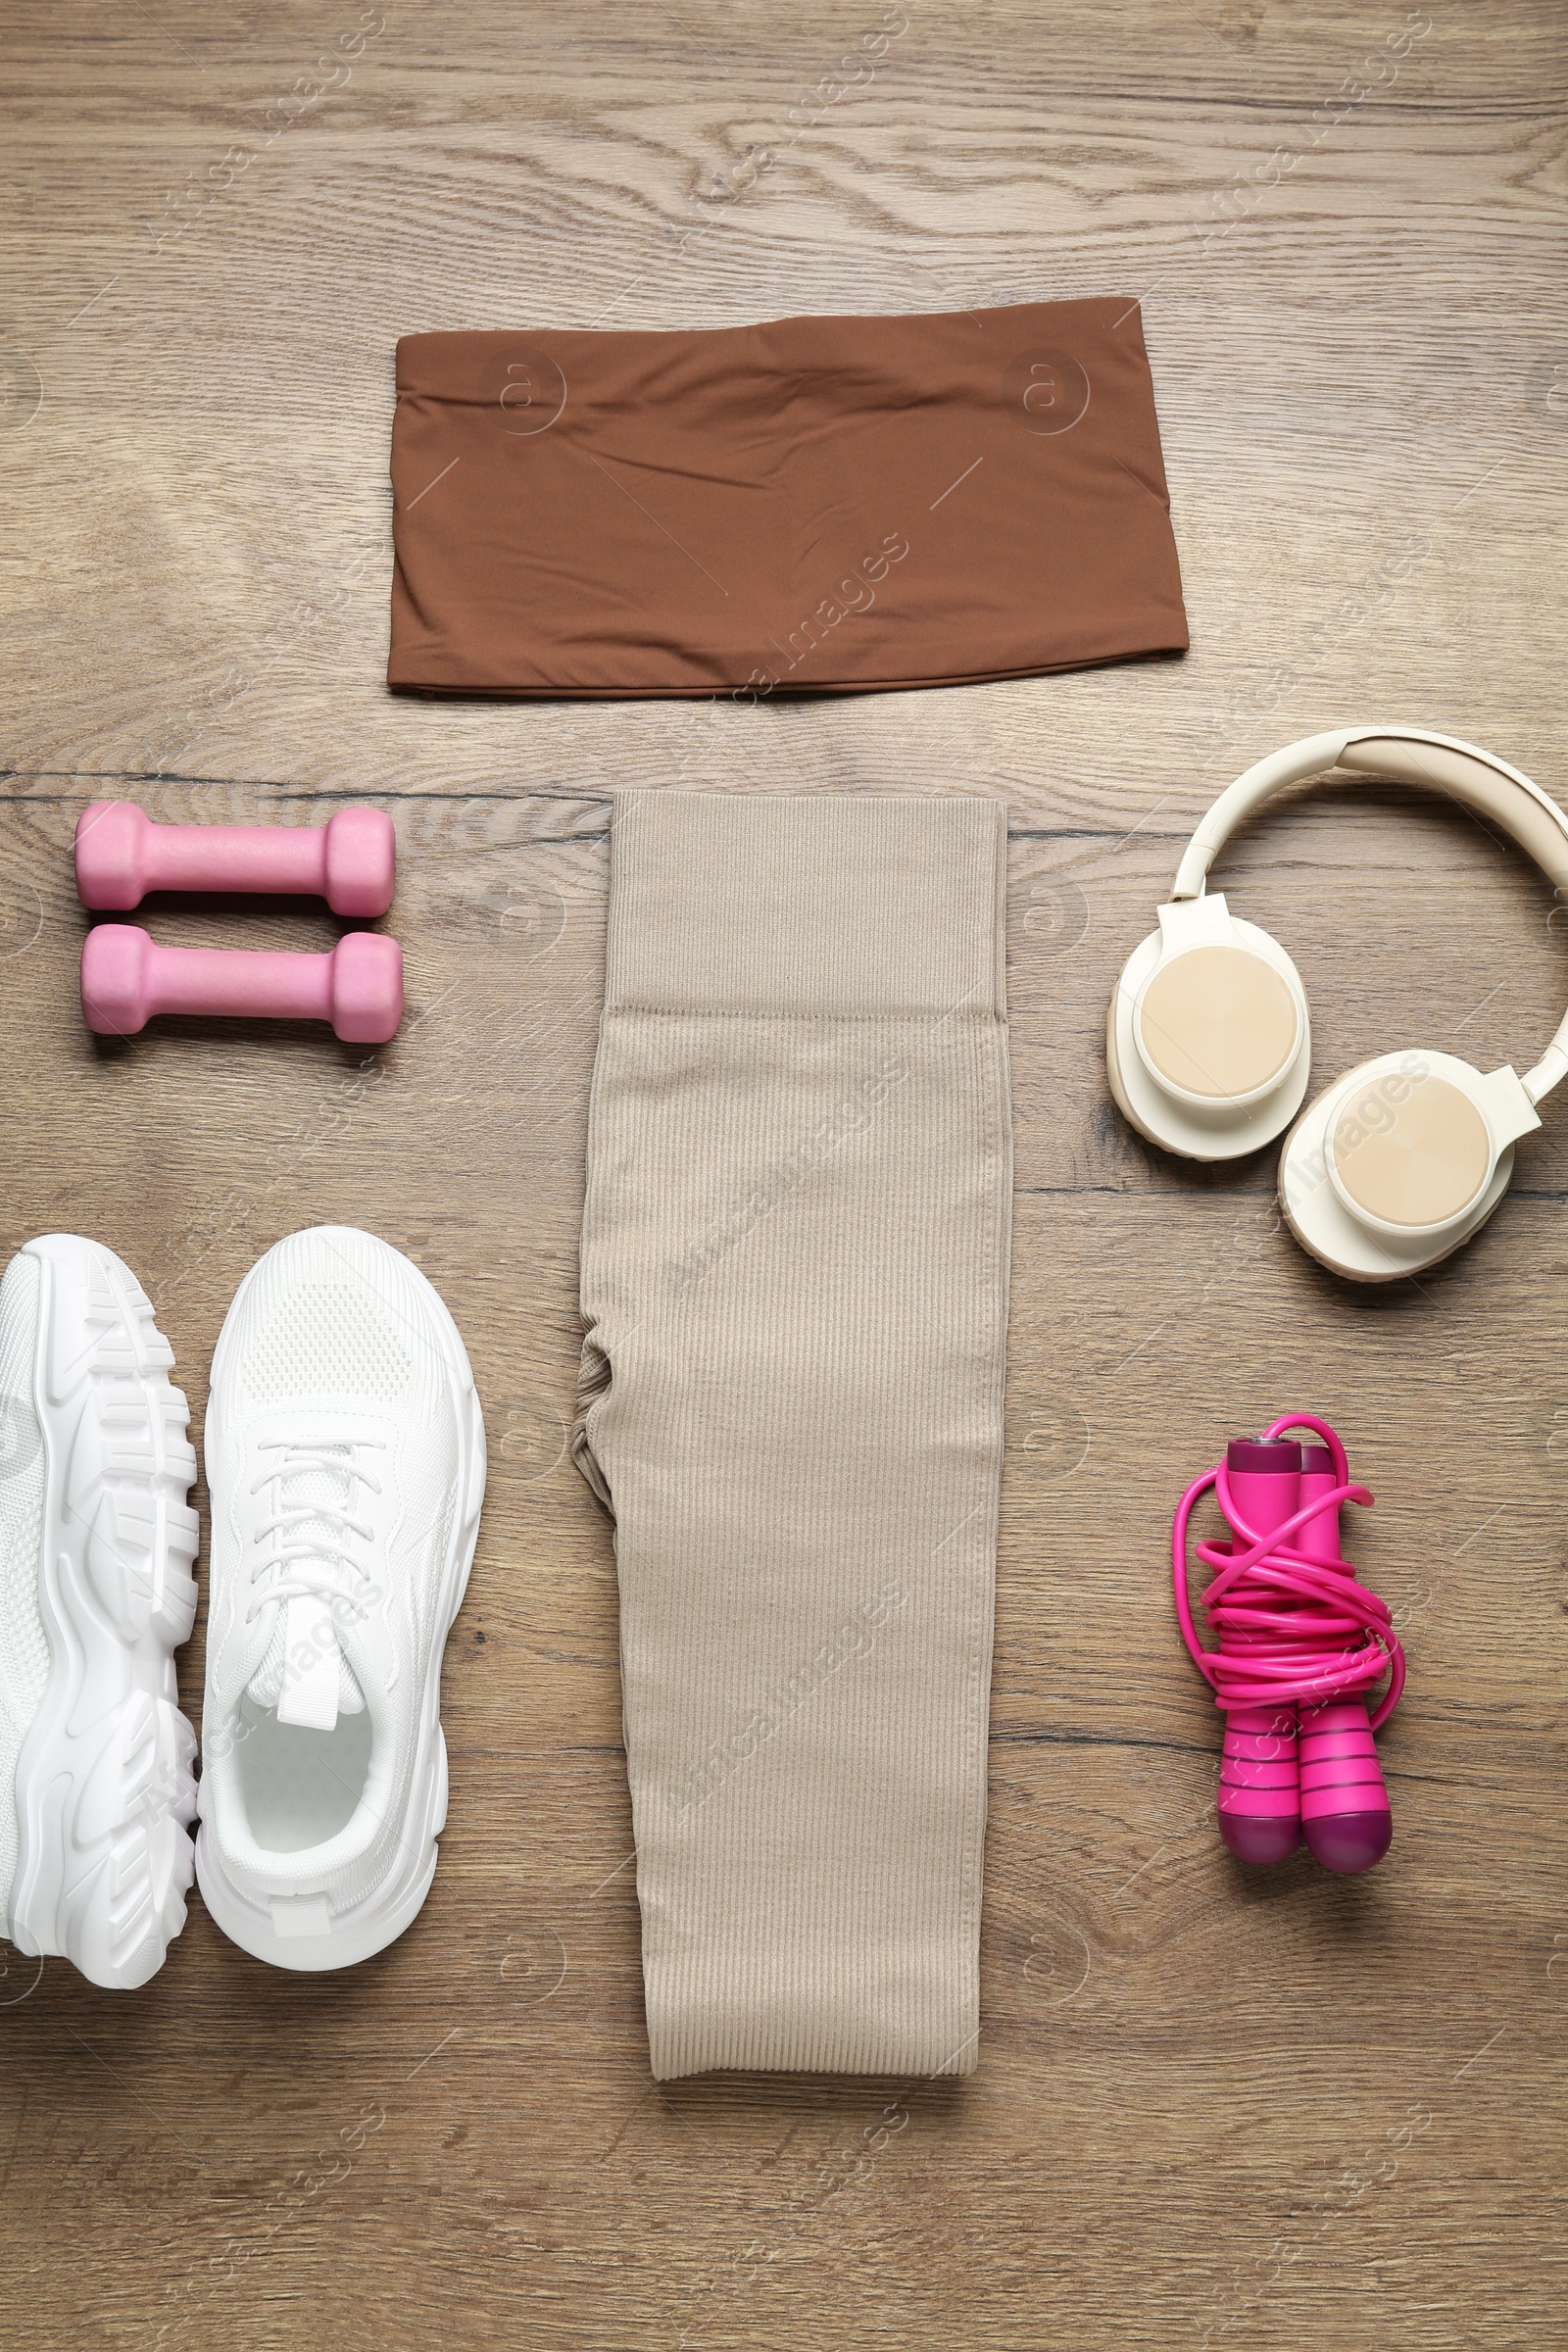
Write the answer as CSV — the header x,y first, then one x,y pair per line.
x,y
127,977
351,861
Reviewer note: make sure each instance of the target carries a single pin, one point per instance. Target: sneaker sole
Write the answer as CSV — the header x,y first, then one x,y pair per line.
x,y
381,1918
105,1782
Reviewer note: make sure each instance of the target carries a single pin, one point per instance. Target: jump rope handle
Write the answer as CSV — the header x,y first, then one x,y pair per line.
x,y
1344,1806
1259,1804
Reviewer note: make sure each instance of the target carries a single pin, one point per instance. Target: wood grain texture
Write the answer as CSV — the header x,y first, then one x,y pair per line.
x,y
1211,2107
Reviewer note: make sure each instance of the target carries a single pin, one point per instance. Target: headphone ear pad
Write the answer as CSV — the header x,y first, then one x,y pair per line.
x,y
1207,1040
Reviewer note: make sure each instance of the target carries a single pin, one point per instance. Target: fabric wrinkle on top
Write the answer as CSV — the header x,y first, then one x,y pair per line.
x,y
808,505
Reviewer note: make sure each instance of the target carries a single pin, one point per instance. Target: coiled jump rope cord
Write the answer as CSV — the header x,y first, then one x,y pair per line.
x,y
1302,1642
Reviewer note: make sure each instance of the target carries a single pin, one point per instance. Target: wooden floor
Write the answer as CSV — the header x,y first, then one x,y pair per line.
x,y
1269,2111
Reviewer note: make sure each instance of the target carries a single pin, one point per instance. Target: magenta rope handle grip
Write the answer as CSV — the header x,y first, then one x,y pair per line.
x,y
1300,1642
122,855
126,978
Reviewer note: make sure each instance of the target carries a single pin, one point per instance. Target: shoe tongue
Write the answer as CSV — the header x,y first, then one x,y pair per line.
x,y
303,1672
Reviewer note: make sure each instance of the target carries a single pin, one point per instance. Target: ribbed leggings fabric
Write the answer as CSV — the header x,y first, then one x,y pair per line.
x,y
794,1262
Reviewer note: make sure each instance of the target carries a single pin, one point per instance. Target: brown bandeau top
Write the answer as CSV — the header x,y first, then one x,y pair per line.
x,y
809,504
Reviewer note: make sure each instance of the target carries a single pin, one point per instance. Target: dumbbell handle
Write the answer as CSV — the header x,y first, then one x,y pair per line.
x,y
126,978
351,861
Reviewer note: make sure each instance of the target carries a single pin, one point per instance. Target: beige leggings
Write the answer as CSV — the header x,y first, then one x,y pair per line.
x,y
794,1287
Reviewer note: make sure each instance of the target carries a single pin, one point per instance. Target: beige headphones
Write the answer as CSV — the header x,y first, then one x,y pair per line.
x,y
1209,1045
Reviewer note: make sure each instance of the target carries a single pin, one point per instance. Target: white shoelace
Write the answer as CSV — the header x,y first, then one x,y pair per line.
x,y
308,1565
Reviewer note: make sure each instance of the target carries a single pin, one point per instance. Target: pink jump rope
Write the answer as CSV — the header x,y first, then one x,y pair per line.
x,y
1301,1643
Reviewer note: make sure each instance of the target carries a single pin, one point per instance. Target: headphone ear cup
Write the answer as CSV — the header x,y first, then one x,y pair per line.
x,y
1208,1040
1398,1164
1130,1102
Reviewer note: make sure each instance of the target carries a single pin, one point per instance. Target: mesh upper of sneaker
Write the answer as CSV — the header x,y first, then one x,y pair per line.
x,y
327,1324
24,1644
335,1326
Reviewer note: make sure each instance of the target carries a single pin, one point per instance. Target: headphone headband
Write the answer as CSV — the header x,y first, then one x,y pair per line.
x,y
1461,771
1479,780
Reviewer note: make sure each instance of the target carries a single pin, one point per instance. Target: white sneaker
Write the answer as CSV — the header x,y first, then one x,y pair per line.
x,y
346,1458
96,1593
